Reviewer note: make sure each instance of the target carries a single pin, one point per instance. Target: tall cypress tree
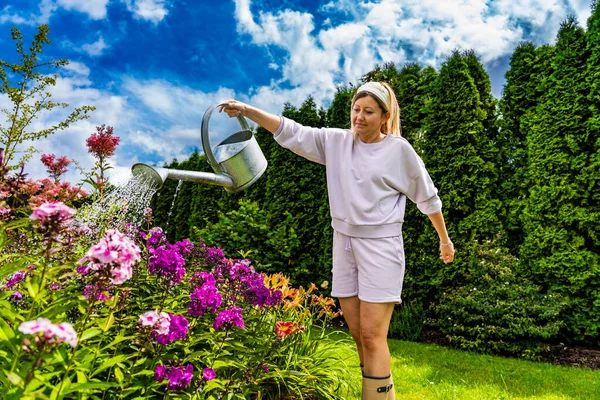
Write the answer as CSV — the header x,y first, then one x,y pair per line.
x,y
298,186
413,93
592,173
555,247
528,68
455,148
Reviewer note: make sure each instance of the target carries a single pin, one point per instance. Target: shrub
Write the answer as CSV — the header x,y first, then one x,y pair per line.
x,y
496,311
407,322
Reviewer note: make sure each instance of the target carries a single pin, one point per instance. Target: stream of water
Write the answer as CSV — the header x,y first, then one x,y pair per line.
x,y
121,207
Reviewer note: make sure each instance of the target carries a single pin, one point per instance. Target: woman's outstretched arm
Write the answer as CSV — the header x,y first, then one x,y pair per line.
x,y
267,120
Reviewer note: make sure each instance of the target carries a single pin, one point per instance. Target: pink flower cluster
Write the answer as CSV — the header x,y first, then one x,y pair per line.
x,y
165,327
53,211
52,217
103,144
55,167
115,253
51,333
48,190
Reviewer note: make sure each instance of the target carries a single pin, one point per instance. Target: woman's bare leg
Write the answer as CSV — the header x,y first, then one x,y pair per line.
x,y
374,324
351,311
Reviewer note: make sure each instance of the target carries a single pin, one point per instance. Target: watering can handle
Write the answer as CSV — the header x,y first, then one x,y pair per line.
x,y
205,140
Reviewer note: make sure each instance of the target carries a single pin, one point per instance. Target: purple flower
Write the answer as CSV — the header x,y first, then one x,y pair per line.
x,y
166,262
83,270
97,292
228,318
215,255
209,374
160,373
179,377
238,270
204,298
55,286
177,329
201,278
15,296
14,280
156,237
185,246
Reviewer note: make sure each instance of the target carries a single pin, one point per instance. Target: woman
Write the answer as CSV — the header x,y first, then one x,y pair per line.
x,y
371,170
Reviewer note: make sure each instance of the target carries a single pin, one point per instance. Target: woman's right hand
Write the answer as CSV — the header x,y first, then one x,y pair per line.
x,y
233,108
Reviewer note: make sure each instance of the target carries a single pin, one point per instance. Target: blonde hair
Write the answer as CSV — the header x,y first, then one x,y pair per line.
x,y
392,126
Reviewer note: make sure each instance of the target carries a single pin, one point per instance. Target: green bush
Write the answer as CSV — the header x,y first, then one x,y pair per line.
x,y
407,322
247,229
496,312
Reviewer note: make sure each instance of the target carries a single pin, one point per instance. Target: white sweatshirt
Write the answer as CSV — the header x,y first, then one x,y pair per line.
x,y
367,183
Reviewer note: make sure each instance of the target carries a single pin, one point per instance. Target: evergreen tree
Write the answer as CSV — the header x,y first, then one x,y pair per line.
x,y
413,94
298,186
556,245
528,68
455,148
591,175
338,114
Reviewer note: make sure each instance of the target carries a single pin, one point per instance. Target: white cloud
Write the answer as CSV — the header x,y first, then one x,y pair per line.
x,y
423,31
96,48
7,15
95,9
150,10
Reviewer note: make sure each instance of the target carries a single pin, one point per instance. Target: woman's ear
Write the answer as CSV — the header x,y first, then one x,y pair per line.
x,y
385,119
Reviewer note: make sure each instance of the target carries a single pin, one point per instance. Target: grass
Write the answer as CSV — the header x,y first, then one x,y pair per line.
x,y
423,372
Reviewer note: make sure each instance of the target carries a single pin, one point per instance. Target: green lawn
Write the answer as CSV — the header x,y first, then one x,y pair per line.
x,y
423,371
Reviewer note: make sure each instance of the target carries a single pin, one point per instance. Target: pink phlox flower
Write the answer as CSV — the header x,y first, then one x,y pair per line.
x,y
52,211
149,318
4,210
160,322
65,332
51,333
115,251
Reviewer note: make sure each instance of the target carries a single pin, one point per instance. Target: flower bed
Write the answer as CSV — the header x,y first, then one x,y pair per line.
x,y
125,312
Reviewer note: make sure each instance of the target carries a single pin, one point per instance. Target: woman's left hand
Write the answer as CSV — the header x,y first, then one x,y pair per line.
x,y
447,252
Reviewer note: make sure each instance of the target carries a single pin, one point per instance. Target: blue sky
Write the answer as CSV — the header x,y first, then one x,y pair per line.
x,y
152,67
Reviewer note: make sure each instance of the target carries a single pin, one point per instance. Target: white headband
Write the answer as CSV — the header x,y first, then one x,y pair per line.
x,y
379,91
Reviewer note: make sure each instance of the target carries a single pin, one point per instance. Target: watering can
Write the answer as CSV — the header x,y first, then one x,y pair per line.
x,y
237,161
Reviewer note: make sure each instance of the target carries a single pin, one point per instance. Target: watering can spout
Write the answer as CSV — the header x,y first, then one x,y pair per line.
x,y
157,176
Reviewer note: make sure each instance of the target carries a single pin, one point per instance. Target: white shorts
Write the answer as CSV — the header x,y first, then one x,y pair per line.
x,y
372,269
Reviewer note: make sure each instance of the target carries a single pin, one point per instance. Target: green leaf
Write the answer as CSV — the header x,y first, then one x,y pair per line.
x,y
107,322
7,334
119,375
79,387
15,379
109,362
90,333
17,223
